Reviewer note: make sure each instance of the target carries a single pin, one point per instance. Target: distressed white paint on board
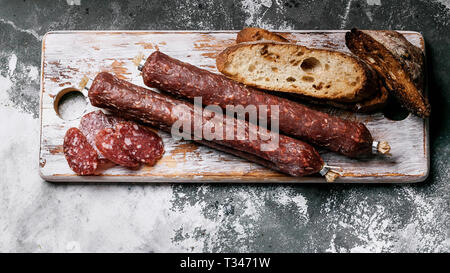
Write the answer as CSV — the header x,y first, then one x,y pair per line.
x,y
68,56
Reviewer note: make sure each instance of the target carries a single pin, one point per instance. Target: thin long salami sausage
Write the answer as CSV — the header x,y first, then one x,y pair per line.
x,y
292,156
349,138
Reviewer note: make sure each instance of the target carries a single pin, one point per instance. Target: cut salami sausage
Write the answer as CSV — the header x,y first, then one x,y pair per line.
x,y
291,156
141,143
80,155
94,122
110,145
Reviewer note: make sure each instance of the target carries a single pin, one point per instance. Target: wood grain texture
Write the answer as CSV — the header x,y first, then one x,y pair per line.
x,y
69,55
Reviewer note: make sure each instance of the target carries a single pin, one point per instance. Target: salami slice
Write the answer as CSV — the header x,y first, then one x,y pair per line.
x,y
141,143
80,155
94,122
110,144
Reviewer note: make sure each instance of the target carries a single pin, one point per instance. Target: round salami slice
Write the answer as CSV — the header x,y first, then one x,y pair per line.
x,y
80,155
140,142
110,144
94,122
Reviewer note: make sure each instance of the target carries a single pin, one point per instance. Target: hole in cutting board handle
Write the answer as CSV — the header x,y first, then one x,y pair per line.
x,y
70,103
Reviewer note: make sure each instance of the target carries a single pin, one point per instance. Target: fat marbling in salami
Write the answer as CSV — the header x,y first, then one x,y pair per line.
x,y
110,144
80,155
140,143
95,121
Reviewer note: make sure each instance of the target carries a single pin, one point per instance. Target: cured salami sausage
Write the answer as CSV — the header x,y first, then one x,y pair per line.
x,y
140,143
291,156
349,138
80,155
110,144
92,123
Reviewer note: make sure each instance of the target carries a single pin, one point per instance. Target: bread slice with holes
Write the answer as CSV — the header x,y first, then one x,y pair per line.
x,y
317,73
400,64
372,104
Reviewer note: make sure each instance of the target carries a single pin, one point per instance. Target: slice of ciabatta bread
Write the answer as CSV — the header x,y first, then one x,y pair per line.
x,y
251,34
400,64
375,103
316,73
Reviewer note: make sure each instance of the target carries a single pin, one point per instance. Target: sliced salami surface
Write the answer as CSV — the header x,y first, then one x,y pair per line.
x,y
94,122
80,155
110,144
141,143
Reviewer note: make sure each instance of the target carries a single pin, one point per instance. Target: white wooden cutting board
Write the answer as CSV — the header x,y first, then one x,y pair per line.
x,y
69,55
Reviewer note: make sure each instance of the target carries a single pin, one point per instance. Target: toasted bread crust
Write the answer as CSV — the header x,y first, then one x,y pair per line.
x,y
368,82
256,34
377,102
398,62
365,106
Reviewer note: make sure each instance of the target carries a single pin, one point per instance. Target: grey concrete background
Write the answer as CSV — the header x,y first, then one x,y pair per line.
x,y
38,216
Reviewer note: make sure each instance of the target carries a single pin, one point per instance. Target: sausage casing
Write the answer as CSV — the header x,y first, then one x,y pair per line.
x,y
347,137
130,101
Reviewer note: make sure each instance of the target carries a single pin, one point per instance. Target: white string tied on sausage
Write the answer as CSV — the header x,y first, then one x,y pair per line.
x,y
85,84
375,147
380,147
141,65
139,61
331,173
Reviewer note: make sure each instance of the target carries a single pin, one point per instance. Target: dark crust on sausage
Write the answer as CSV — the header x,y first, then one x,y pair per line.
x,y
246,156
343,136
293,157
399,63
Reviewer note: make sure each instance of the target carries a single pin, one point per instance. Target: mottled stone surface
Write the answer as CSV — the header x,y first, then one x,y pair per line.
x,y
43,217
